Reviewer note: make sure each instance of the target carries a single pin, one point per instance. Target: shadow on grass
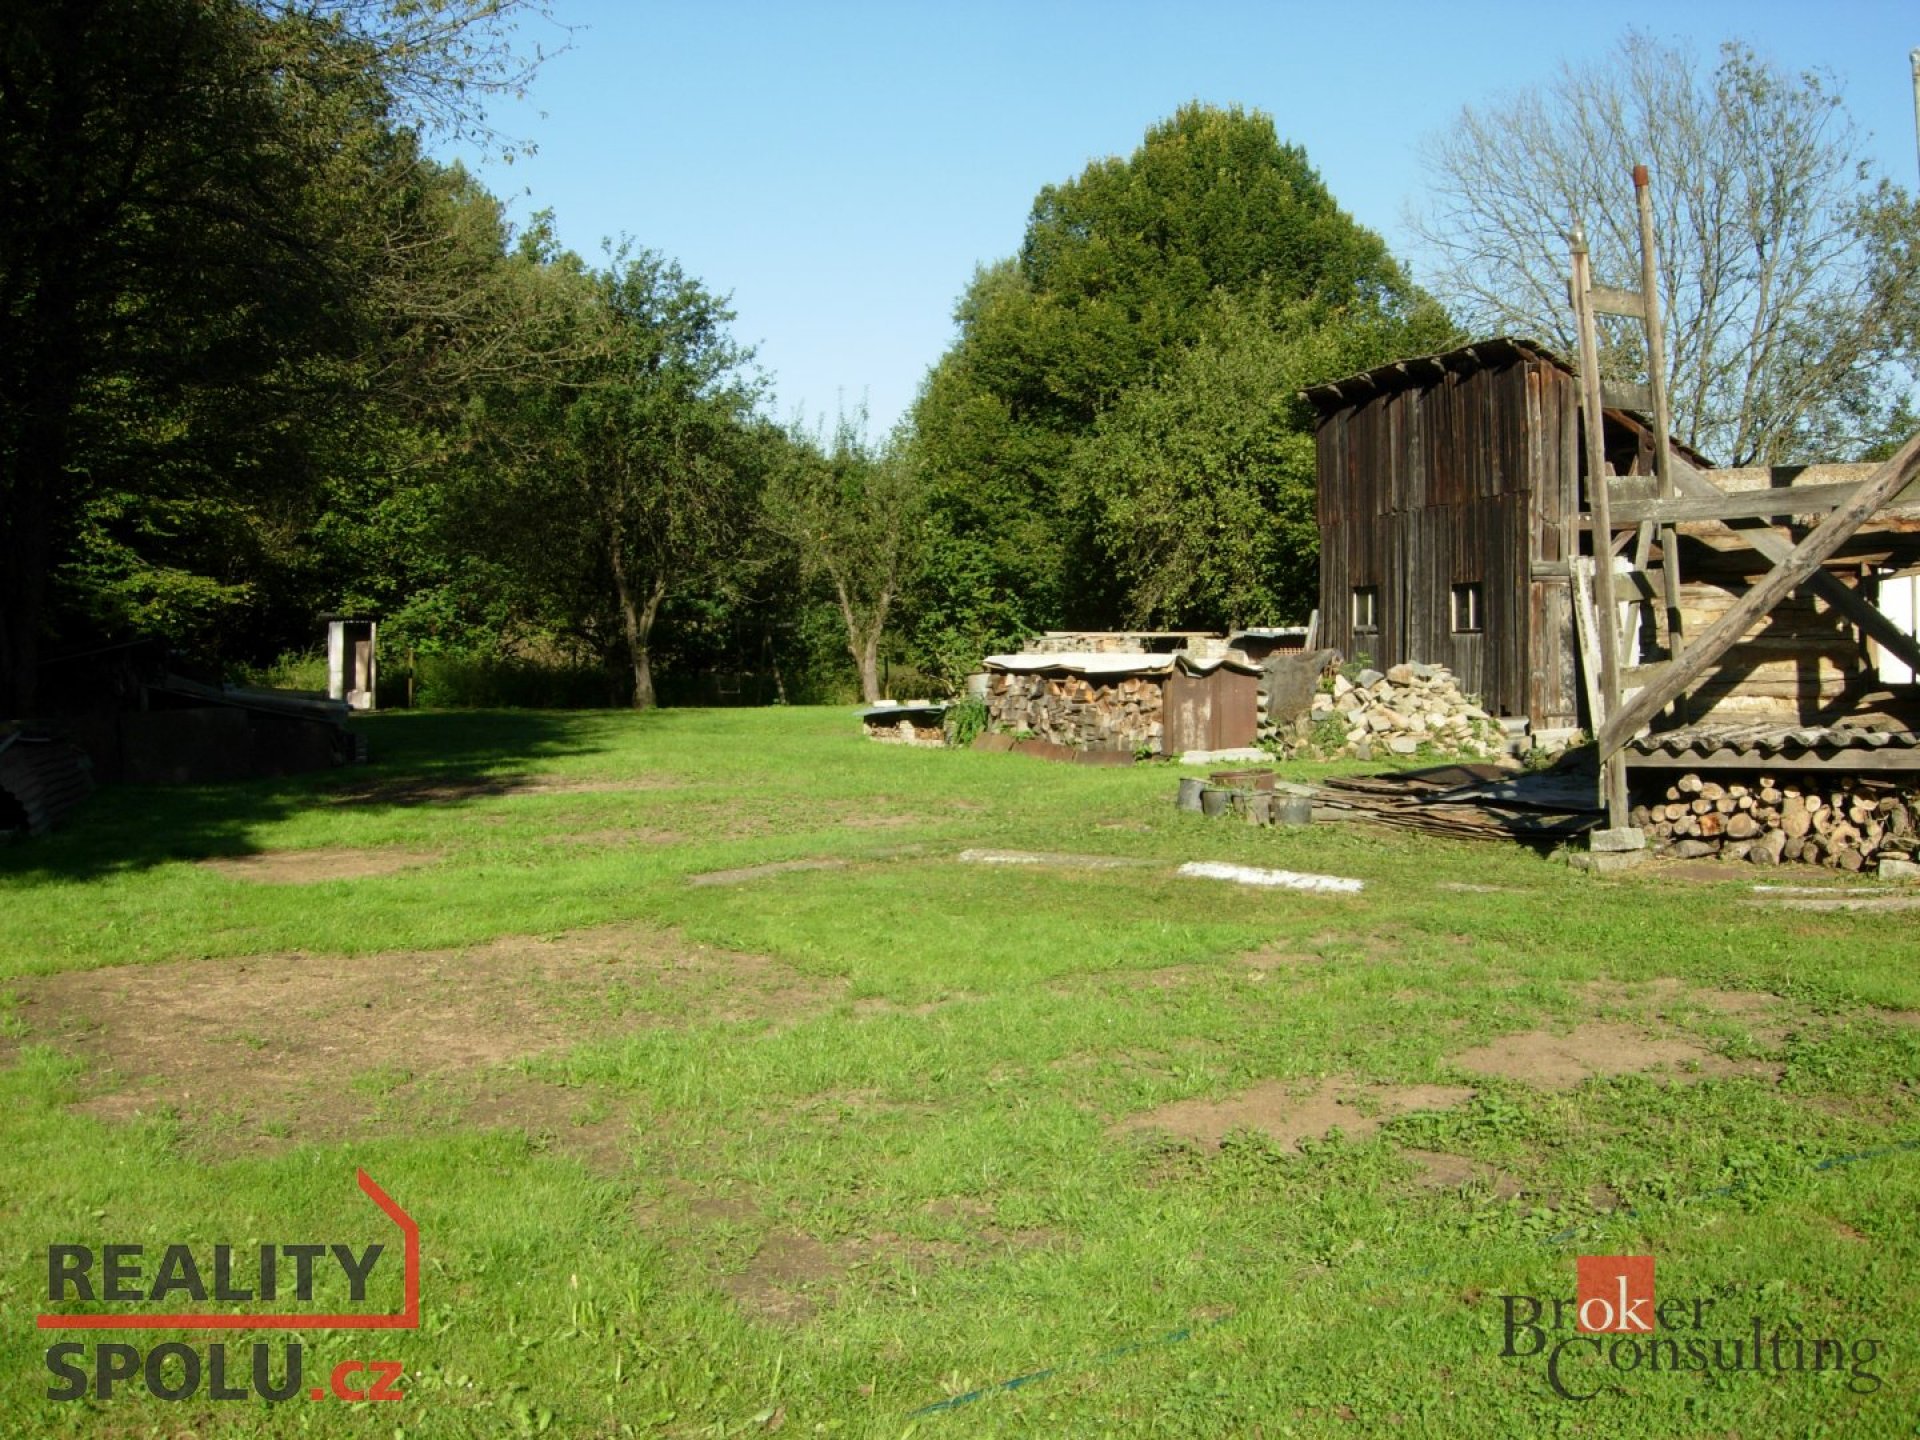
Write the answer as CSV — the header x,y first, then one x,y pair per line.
x,y
444,759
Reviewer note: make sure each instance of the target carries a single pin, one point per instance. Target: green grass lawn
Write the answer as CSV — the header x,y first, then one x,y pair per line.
x,y
703,1148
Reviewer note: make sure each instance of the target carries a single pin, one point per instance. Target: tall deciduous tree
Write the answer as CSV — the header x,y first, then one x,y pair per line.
x,y
1782,285
660,453
184,186
1121,275
853,514
1199,485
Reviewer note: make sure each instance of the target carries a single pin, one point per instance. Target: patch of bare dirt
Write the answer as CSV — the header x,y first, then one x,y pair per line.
x,y
1048,860
838,1107
304,1048
1443,1171
682,1204
1288,1114
1550,1061
1855,903
557,1117
975,1216
780,1281
1275,957
758,872
1705,872
1899,1017
966,1209
791,1272
1251,965
426,790
312,867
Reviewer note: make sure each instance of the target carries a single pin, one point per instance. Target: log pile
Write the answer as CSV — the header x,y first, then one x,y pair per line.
x,y
41,781
1405,710
1075,710
906,732
1842,822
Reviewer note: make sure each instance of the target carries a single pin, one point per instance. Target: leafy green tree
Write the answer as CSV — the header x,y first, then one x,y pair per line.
x,y
1123,273
853,514
188,191
643,469
1200,484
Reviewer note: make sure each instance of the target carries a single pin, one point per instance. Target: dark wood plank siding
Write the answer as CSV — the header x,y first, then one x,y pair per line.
x,y
1456,478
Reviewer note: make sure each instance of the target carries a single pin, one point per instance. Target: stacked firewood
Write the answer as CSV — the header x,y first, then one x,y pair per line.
x,y
1844,823
1110,714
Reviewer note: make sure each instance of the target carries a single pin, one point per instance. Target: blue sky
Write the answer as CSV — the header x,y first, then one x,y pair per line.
x,y
840,168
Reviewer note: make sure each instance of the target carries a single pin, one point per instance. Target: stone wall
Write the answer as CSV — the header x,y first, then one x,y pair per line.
x,y
1119,713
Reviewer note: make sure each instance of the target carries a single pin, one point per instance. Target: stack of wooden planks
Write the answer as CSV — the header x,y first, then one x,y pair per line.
x,y
1467,802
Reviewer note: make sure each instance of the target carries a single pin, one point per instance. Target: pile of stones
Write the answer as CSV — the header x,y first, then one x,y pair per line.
x,y
1404,710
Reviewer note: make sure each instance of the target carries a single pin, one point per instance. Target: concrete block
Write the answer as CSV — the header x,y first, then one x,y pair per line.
x,y
1619,841
1606,862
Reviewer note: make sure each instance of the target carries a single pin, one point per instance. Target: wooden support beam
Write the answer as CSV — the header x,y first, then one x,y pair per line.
x,y
1731,505
1586,630
1792,569
1613,773
1903,759
1828,587
1609,301
1627,397
1662,413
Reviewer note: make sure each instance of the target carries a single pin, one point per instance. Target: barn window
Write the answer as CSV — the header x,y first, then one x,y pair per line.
x,y
1366,608
1467,609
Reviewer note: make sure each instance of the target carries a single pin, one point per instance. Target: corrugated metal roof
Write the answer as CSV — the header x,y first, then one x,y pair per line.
x,y
1116,662
1771,738
1424,369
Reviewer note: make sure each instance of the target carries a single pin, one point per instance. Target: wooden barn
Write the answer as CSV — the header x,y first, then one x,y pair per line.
x,y
1457,528
1449,507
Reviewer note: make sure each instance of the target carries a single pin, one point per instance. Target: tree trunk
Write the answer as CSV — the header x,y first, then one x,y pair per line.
x,y
773,662
636,622
868,657
863,641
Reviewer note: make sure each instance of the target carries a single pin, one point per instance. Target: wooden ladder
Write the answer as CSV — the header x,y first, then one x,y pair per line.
x,y
1589,301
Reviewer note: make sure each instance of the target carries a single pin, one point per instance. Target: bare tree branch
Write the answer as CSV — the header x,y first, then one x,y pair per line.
x,y
1782,309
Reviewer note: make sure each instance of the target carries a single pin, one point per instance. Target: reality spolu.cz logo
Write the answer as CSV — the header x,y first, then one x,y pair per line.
x,y
255,1274
1615,1327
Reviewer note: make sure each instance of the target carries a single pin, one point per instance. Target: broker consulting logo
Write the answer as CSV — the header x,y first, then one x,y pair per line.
x,y
266,1286
1616,1330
